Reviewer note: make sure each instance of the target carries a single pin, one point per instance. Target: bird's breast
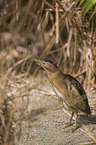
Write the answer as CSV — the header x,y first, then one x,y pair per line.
x,y
58,93
60,97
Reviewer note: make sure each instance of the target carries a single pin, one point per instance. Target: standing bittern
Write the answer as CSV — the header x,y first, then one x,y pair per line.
x,y
68,90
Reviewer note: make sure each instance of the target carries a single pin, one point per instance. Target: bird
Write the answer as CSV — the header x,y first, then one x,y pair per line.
x,y
68,89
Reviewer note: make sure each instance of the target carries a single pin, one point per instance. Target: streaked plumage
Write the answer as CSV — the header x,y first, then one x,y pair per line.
x,y
68,90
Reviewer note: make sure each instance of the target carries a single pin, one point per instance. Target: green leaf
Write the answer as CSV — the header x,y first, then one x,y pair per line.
x,y
93,12
87,5
81,2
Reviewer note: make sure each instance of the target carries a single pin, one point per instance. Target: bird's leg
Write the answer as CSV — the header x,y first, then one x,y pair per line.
x,y
75,127
71,117
69,122
75,120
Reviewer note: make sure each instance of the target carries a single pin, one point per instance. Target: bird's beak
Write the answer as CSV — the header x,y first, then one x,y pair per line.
x,y
38,61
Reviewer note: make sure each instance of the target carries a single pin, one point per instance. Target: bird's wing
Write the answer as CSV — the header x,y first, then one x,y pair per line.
x,y
78,94
77,87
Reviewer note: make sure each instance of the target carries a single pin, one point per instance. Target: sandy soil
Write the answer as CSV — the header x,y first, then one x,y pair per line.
x,y
45,123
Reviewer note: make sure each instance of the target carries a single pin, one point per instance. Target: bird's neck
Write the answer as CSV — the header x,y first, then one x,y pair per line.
x,y
57,80
52,76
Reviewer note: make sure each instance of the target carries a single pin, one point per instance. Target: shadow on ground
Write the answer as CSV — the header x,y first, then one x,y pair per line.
x,y
43,124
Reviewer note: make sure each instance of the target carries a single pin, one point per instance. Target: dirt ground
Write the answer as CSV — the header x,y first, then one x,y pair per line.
x,y
45,123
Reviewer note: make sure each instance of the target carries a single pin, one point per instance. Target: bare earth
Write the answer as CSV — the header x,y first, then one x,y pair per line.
x,y
45,123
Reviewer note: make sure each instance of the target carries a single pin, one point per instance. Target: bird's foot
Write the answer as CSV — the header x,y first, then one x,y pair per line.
x,y
73,128
68,123
64,123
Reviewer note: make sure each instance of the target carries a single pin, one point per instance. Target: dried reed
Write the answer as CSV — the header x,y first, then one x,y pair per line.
x,y
27,29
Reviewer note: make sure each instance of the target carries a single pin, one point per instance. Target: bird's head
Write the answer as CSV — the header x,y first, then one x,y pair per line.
x,y
47,65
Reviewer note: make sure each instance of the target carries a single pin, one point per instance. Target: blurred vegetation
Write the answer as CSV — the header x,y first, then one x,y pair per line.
x,y
88,5
56,30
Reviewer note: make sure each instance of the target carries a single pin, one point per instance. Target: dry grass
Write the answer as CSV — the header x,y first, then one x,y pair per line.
x,y
27,30
14,107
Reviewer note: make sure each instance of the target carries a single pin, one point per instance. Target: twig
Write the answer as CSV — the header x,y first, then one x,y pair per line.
x,y
86,129
16,64
80,73
57,23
